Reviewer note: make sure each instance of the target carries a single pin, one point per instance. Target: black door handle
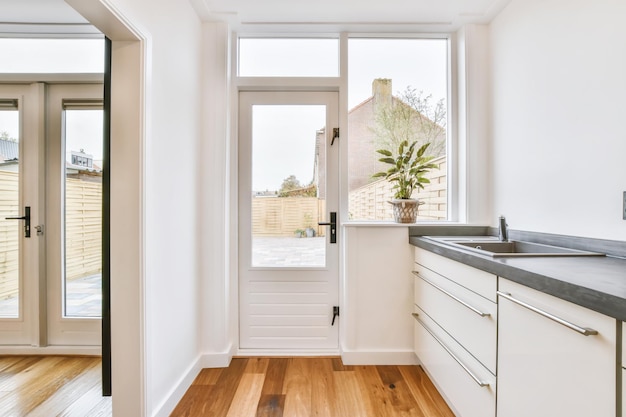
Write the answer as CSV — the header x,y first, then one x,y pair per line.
x,y
335,314
26,218
333,226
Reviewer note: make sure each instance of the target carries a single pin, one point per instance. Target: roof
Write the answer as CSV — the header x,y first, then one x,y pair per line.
x,y
9,150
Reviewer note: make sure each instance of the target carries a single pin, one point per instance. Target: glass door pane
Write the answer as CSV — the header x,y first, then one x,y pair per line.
x,y
288,185
83,213
10,230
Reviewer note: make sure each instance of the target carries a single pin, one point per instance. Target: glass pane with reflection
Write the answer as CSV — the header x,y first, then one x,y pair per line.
x,y
83,213
288,185
10,230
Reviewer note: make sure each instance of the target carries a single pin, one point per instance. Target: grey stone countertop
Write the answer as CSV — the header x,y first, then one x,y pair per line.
x,y
596,282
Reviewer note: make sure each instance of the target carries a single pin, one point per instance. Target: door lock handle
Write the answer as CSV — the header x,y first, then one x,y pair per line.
x,y
26,218
333,226
335,314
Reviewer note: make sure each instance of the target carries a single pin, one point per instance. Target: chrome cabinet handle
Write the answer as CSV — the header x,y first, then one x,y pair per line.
x,y
582,330
457,360
454,297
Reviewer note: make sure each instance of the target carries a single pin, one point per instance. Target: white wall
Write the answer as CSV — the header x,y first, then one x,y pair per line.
x,y
559,102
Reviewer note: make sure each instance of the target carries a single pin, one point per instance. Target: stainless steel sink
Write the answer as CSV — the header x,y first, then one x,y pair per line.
x,y
498,249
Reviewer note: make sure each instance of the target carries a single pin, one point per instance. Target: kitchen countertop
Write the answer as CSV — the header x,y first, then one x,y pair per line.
x,y
594,282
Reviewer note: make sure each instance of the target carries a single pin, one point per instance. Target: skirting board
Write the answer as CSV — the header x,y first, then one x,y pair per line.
x,y
379,357
206,360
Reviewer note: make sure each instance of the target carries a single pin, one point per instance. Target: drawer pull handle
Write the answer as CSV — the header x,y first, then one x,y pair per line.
x,y
454,297
457,360
582,330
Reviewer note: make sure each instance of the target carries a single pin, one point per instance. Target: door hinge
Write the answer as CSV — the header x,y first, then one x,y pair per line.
x,y
335,135
335,314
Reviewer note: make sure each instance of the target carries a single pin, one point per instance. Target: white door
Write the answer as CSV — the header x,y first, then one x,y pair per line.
x,y
50,282
288,184
21,251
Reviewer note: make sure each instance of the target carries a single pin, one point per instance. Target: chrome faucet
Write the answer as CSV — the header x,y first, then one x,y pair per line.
x,y
502,232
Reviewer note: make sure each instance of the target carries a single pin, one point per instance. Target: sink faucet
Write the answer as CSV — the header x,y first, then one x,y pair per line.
x,y
502,232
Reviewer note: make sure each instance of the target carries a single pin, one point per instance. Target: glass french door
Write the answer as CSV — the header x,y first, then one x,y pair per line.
x,y
50,208
74,214
288,188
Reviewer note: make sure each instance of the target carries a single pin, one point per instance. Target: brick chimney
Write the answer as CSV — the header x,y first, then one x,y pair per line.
x,y
381,91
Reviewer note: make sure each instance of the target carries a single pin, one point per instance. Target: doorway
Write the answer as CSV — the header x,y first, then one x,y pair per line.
x,y
51,207
288,204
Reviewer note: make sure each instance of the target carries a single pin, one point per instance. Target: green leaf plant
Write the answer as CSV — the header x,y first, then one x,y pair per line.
x,y
408,168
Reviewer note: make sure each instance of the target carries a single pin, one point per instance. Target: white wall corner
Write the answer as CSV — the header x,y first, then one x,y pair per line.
x,y
216,296
218,359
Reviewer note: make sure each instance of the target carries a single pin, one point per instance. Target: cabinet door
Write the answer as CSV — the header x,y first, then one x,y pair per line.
x,y
546,369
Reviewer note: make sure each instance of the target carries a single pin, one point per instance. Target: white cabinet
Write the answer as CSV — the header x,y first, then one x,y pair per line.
x,y
455,332
547,368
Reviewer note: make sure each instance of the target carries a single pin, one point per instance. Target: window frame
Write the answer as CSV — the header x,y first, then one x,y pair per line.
x,y
455,207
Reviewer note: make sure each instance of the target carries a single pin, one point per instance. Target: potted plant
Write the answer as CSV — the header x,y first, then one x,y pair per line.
x,y
407,171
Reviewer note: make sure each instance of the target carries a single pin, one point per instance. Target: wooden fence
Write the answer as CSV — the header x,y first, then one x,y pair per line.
x,y
83,240
283,216
370,202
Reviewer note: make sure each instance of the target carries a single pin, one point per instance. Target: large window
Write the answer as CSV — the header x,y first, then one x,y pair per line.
x,y
398,91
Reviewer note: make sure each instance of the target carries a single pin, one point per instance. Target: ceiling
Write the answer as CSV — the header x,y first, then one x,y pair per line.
x,y
338,15
55,17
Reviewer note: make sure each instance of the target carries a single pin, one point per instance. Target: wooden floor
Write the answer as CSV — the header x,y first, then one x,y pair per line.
x,y
51,386
298,387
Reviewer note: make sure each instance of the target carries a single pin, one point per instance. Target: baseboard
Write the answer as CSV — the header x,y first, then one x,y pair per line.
x,y
51,350
378,357
206,360
165,408
287,352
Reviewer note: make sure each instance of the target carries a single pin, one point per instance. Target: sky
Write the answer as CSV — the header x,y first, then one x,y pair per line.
x,y
285,141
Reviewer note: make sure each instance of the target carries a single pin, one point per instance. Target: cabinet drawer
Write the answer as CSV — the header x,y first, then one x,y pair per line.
x,y
449,366
478,281
465,315
546,365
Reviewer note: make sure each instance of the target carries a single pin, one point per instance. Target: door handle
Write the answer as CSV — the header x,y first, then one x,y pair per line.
x,y
26,218
333,226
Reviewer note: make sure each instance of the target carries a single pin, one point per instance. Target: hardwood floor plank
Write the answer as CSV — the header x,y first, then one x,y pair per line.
x,y
275,376
423,390
257,365
196,402
323,394
208,376
271,405
349,401
398,392
297,387
246,399
372,388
